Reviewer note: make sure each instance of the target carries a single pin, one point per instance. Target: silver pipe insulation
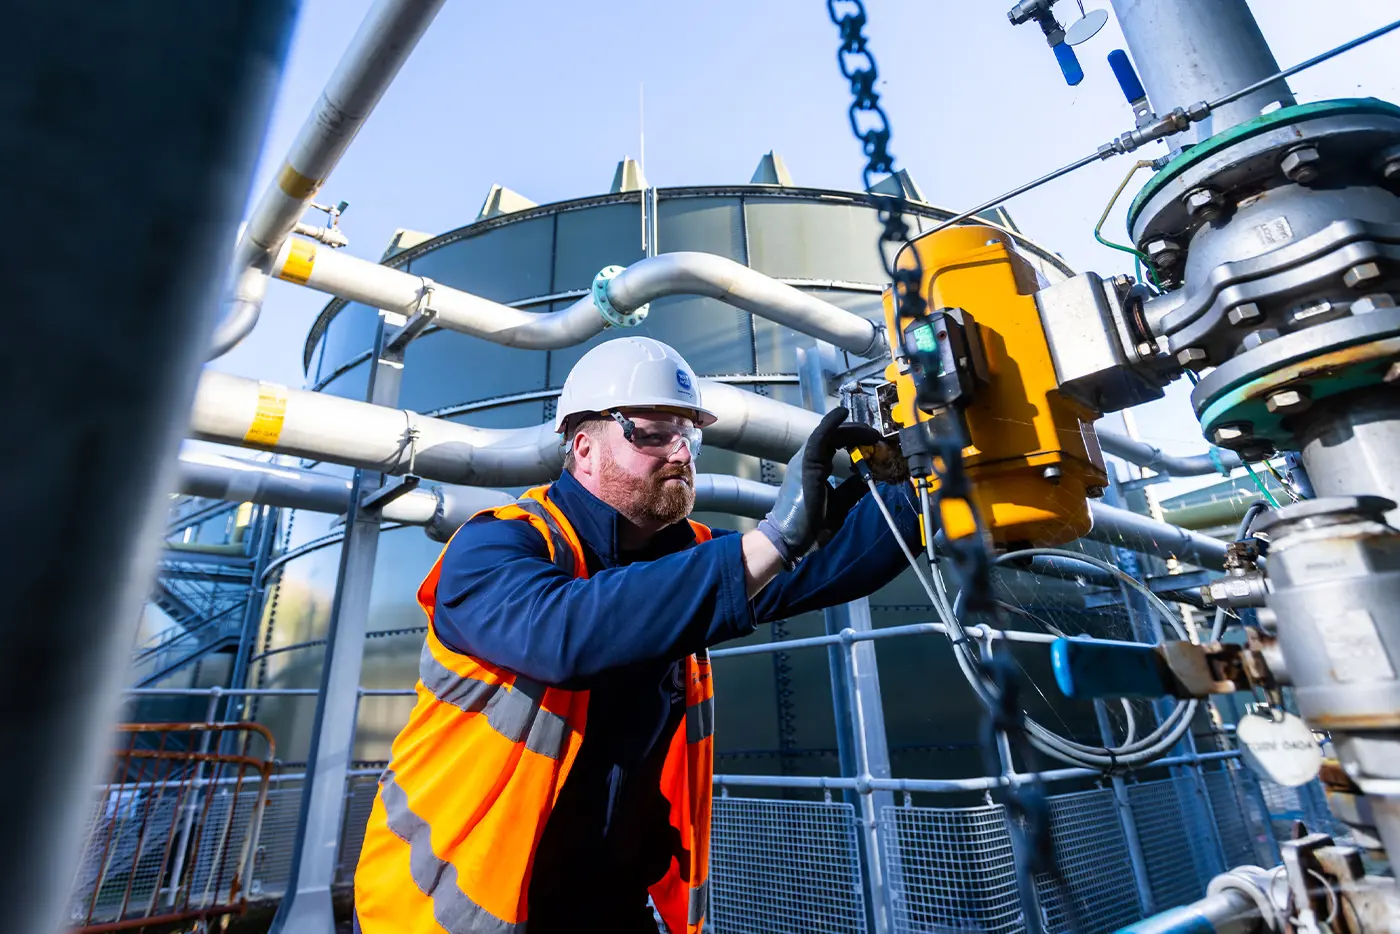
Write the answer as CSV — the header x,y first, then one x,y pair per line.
x,y
443,509
1219,460
388,34
245,412
357,280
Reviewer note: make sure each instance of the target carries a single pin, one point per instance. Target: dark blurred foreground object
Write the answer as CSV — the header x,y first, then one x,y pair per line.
x,y
128,130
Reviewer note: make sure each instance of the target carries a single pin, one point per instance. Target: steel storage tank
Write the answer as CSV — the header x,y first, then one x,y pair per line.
x,y
774,712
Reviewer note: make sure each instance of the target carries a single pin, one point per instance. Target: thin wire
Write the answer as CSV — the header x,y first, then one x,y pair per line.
x,y
1098,228
1099,155
1284,482
1315,60
1262,488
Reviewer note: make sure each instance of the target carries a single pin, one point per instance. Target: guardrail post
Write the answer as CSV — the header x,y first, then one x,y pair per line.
x,y
877,890
1127,821
306,907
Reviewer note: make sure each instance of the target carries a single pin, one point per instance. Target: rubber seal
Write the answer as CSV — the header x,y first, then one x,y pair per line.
x,y
610,314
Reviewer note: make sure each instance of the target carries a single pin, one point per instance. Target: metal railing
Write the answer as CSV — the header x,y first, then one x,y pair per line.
x,y
173,829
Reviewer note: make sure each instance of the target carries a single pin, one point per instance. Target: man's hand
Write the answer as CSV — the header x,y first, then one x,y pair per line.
x,y
808,509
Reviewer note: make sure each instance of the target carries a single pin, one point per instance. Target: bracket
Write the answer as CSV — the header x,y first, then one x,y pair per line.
x,y
376,500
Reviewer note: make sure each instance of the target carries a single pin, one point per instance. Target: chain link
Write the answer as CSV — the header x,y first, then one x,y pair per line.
x,y
970,558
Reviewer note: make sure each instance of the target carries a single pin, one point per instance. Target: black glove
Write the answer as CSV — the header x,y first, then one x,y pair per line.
x,y
808,510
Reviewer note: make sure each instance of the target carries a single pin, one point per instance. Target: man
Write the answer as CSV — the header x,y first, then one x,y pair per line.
x,y
556,769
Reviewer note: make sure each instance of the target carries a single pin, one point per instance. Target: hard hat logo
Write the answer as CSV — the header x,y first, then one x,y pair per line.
x,y
631,373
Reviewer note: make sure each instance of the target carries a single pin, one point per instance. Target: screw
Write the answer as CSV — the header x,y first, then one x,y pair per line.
x,y
1369,303
1193,358
1204,204
1360,274
1232,436
1163,252
1052,474
1243,314
1287,401
1301,165
1258,338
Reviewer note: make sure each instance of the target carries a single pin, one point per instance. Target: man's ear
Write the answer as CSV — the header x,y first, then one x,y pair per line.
x,y
583,450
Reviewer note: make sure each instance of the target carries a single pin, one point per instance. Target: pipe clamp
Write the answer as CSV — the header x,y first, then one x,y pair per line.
x,y
610,314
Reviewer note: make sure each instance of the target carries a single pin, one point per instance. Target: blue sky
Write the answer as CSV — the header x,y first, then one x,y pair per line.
x,y
542,97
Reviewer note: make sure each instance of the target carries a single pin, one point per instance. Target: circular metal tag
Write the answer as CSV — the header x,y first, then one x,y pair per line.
x,y
1283,751
1084,29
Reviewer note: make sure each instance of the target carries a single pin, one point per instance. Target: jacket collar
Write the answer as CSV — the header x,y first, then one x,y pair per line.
x,y
595,523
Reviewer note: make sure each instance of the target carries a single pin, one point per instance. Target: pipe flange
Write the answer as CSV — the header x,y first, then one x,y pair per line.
x,y
605,306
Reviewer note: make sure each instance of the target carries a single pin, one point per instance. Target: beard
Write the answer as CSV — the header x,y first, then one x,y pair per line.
x,y
648,500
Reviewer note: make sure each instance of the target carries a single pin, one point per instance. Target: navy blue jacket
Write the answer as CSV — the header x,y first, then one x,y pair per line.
x,y
621,634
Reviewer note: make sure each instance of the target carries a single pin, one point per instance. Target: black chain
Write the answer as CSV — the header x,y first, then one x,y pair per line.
x,y
970,556
872,127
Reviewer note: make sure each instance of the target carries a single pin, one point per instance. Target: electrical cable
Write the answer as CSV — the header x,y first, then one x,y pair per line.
x,y
1132,751
1138,256
1217,628
1268,497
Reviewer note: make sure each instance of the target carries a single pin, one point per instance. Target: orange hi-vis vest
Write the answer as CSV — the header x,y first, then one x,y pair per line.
x,y
475,774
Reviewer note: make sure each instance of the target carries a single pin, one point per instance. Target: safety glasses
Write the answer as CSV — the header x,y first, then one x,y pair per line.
x,y
658,439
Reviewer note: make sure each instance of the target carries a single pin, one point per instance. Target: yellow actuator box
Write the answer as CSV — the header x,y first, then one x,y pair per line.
x,y
1034,459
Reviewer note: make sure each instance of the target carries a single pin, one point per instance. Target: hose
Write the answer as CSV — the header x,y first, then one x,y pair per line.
x,y
1132,751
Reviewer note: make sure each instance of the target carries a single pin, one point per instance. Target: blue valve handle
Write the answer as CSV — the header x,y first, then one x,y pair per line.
x,y
1126,75
1069,63
1101,668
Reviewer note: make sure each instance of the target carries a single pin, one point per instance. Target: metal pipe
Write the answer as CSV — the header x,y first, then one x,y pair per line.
x,y
388,34
146,122
1351,445
1125,529
1218,460
1201,51
235,410
685,273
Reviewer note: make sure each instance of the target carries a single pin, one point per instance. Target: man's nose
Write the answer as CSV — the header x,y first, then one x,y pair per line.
x,y
682,454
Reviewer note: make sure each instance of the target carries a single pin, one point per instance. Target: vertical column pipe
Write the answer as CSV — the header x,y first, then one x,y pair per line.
x,y
1198,50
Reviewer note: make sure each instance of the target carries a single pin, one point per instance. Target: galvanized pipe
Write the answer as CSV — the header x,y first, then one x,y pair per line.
x,y
388,34
1187,51
1217,461
235,410
357,280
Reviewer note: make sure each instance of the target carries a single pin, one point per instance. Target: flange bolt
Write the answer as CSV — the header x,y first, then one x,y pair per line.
x,y
1193,358
1302,165
1204,204
1244,314
1233,436
1287,401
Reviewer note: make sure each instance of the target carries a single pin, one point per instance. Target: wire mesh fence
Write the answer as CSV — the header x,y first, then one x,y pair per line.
x,y
171,831
784,866
1177,850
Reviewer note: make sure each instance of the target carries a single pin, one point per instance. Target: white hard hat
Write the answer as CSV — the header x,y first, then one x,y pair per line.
x,y
631,373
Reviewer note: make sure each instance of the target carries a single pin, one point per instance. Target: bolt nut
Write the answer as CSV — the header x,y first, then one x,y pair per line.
x,y
1302,165
1287,401
1259,338
1233,436
1163,252
1244,314
1369,303
1360,274
1193,358
1051,473
1204,204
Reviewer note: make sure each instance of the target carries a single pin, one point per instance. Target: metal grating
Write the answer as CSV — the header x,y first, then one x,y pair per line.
x,y
1243,824
1092,854
273,866
951,869
1306,803
784,866
359,798
1169,848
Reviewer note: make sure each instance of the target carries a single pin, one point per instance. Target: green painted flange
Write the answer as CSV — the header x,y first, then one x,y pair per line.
x,y
1261,124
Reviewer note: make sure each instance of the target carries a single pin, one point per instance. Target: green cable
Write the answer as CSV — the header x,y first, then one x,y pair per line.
x,y
1269,497
1139,257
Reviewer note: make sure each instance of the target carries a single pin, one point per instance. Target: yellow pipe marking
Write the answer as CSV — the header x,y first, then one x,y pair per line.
x,y
267,419
300,259
296,185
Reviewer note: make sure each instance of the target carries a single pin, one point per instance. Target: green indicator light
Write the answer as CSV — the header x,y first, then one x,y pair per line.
x,y
924,341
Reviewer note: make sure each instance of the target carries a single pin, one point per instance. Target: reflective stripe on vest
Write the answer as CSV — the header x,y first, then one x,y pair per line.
x,y
700,720
563,551
437,878
699,901
513,711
